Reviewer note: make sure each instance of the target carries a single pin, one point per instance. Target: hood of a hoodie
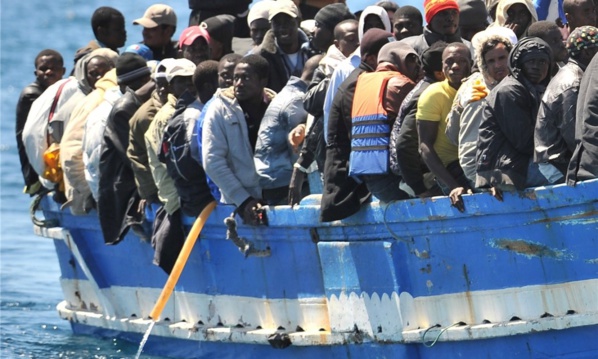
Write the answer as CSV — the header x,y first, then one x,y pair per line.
x,y
395,53
503,7
107,81
81,67
373,10
523,48
483,38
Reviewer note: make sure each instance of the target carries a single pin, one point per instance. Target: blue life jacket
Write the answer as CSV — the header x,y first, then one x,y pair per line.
x,y
370,129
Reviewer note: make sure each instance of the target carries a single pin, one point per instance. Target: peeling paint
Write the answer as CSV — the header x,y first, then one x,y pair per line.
x,y
530,249
422,255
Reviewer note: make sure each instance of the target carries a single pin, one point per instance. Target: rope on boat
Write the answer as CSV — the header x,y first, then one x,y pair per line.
x,y
46,223
431,344
246,247
392,233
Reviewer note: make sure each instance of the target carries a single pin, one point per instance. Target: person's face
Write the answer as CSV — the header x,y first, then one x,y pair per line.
x,y
584,14
180,84
285,29
497,62
323,37
198,51
115,34
467,31
163,89
536,70
445,22
48,70
348,39
258,29
247,83
405,27
226,72
372,21
157,36
456,65
96,68
413,67
518,19
554,38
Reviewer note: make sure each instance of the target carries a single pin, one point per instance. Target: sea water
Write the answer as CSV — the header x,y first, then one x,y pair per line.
x,y
29,273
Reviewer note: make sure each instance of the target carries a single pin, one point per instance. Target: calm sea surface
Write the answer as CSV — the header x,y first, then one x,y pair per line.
x,y
29,273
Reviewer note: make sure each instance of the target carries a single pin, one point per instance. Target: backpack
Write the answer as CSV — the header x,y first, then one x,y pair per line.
x,y
370,129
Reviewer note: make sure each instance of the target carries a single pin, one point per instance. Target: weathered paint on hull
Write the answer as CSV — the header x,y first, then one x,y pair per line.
x,y
513,274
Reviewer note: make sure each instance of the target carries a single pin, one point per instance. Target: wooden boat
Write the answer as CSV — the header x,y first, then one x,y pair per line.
x,y
413,279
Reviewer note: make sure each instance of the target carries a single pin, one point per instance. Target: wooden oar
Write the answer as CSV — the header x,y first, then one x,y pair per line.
x,y
179,265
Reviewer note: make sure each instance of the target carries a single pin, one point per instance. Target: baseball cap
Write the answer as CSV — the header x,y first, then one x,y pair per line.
x,y
180,67
283,7
141,50
191,33
156,15
259,10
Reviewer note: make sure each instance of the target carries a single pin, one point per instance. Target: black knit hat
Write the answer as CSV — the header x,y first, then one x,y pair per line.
x,y
130,67
373,40
432,57
221,27
330,15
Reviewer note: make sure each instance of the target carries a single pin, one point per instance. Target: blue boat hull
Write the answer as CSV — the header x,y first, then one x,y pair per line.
x,y
511,279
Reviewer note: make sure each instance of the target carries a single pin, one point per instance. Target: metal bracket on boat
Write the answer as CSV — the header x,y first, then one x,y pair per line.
x,y
246,247
45,223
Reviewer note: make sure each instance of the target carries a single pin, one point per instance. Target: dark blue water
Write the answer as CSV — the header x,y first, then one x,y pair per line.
x,y
29,274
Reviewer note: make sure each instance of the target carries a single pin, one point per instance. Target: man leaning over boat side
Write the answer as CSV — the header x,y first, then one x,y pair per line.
x,y
399,68
405,158
554,135
49,68
437,151
343,195
492,47
117,193
229,136
584,162
274,154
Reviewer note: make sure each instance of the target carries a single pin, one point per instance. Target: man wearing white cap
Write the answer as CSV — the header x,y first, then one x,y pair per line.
x,y
282,46
159,25
179,76
258,21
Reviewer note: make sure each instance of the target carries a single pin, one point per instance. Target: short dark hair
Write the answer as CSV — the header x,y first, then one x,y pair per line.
x,y
231,58
103,16
337,31
205,72
388,5
410,12
541,28
258,64
52,53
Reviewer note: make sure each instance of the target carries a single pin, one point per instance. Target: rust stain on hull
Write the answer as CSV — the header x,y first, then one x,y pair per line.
x,y
529,249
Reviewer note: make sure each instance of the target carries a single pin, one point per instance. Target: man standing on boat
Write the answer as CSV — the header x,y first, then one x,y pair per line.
x,y
229,135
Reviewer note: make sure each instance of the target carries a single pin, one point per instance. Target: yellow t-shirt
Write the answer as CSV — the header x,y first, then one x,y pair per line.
x,y
434,105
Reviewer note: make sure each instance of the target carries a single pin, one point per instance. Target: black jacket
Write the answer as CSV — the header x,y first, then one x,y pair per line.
x,y
279,71
28,95
314,145
189,177
117,190
584,162
342,195
506,137
405,159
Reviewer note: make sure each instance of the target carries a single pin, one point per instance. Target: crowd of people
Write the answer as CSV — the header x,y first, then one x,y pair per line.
x,y
374,105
